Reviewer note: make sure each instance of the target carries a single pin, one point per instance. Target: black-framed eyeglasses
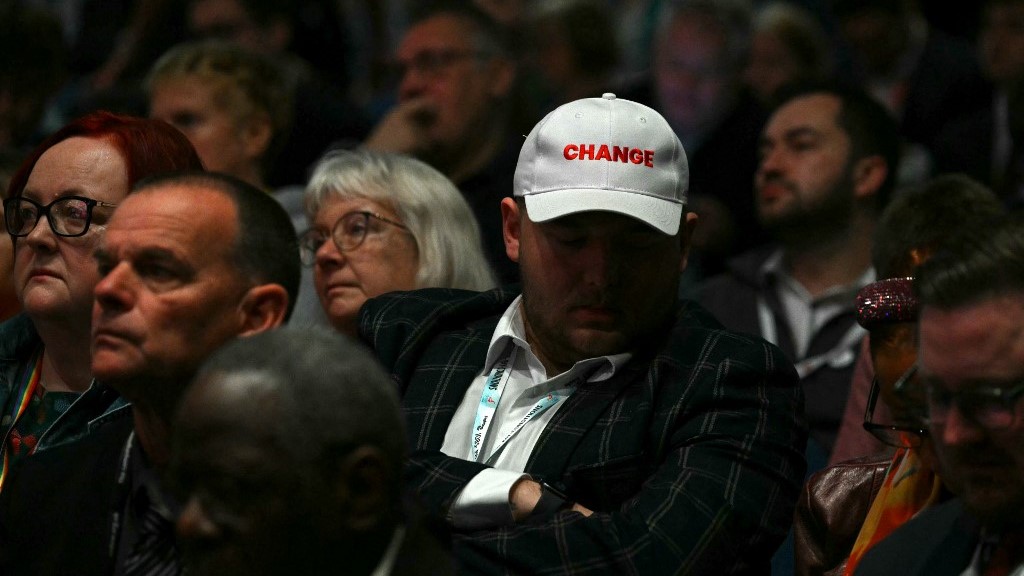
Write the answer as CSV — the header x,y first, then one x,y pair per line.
x,y
348,233
432,63
69,216
900,436
992,407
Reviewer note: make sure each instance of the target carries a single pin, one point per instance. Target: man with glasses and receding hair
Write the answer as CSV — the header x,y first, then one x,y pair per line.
x,y
971,364
455,80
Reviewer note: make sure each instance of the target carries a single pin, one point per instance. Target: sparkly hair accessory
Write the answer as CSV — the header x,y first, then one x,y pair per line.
x,y
886,301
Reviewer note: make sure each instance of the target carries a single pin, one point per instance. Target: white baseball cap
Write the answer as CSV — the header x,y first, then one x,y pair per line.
x,y
604,154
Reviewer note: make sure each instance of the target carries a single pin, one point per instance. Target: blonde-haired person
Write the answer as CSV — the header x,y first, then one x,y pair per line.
x,y
235,107
787,46
382,222
232,104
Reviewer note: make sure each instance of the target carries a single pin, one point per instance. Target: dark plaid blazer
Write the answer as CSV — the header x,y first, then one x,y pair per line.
x,y
691,456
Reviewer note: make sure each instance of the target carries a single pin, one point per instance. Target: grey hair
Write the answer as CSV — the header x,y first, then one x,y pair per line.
x,y
445,229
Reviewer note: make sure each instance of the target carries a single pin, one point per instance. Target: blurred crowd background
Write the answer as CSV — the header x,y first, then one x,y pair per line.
x,y
937,66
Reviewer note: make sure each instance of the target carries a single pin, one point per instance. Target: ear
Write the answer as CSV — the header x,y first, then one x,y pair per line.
x,y
503,74
256,135
263,308
363,480
868,175
685,233
511,226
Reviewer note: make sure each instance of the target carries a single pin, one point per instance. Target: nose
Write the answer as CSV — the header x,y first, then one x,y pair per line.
x,y
772,165
771,162
328,255
42,236
959,430
413,82
194,524
114,292
601,262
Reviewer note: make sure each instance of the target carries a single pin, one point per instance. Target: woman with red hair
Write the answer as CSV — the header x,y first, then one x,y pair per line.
x,y
56,208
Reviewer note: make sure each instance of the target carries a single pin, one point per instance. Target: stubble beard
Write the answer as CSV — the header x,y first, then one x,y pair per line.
x,y
804,223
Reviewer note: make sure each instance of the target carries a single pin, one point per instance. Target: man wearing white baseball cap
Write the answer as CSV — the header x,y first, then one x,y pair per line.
x,y
590,421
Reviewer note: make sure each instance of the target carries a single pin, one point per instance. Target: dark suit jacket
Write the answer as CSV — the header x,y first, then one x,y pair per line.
x,y
56,513
946,82
939,541
691,456
965,144
426,548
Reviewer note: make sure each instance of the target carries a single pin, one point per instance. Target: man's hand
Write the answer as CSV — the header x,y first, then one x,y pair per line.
x,y
404,128
577,507
523,498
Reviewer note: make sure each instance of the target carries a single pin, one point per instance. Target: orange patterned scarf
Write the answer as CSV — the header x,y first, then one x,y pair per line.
x,y
909,487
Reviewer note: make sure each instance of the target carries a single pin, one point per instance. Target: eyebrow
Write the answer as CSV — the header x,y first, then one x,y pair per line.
x,y
801,131
153,254
36,195
101,253
793,133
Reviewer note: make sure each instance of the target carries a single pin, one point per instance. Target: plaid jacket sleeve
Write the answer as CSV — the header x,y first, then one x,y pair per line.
x,y
691,458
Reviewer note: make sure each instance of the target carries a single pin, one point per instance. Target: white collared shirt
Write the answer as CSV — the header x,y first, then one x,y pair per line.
x,y
484,501
807,315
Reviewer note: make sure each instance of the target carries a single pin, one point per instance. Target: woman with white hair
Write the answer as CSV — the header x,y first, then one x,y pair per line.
x,y
385,222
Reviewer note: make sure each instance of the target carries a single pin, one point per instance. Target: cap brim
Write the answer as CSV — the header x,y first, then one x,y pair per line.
x,y
660,213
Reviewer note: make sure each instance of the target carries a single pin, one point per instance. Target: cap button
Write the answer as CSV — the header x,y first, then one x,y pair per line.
x,y
608,96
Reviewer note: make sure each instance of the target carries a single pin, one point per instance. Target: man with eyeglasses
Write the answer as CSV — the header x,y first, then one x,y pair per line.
x,y
851,505
971,364
455,80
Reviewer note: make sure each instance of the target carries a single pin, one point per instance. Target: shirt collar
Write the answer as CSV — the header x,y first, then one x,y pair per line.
x,y
772,264
510,331
772,268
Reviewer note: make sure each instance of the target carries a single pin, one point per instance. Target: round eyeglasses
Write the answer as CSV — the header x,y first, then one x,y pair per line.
x,y
993,408
69,216
900,436
348,233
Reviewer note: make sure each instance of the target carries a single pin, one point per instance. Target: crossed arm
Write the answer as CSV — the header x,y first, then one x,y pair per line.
x,y
726,467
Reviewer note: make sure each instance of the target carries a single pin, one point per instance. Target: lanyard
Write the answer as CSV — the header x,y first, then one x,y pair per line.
x,y
21,406
493,389
489,398
539,408
123,493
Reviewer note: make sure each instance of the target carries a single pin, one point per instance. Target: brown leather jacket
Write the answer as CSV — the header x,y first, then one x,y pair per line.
x,y
831,511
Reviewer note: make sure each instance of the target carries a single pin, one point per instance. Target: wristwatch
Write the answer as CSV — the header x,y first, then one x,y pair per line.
x,y
551,500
